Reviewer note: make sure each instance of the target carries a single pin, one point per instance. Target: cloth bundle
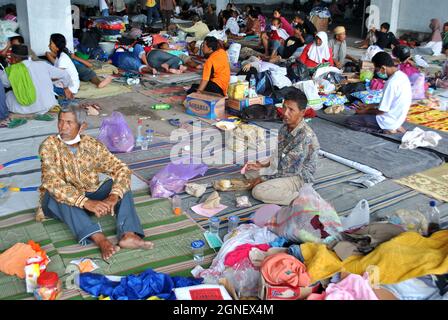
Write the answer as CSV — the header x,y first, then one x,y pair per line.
x,y
369,96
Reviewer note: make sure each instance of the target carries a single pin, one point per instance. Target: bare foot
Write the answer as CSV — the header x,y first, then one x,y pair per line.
x,y
165,67
106,247
105,82
183,68
132,241
199,67
175,71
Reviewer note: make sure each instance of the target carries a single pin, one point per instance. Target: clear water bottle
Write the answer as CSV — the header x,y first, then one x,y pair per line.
x,y
197,249
433,216
252,87
149,135
214,225
139,138
367,84
233,223
177,205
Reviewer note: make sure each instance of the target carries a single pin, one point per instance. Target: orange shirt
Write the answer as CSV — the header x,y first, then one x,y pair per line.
x,y
217,69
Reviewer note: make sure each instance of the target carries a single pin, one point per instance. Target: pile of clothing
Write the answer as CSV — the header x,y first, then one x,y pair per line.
x,y
109,26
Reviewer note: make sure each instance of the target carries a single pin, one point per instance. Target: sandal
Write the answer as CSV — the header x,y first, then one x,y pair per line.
x,y
14,123
4,123
43,117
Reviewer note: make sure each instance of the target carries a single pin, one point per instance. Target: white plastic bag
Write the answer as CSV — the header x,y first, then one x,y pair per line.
x,y
234,53
312,94
360,216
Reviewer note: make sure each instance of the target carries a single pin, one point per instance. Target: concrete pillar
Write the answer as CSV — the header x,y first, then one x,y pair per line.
x,y
221,5
39,19
389,11
394,16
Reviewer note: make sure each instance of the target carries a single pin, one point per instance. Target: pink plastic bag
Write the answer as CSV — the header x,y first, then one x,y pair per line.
x,y
115,133
173,178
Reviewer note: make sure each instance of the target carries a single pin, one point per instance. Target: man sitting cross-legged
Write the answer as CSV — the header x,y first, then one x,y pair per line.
x,y
71,190
293,163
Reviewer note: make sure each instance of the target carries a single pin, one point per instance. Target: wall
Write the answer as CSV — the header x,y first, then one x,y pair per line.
x,y
39,19
415,15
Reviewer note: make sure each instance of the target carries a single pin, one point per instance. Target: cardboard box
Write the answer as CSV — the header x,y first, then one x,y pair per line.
x,y
207,106
241,104
269,292
238,90
367,65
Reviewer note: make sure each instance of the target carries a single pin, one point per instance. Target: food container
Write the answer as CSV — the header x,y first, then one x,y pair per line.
x,y
49,286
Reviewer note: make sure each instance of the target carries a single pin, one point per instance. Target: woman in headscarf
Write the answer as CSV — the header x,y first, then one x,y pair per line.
x,y
318,52
435,45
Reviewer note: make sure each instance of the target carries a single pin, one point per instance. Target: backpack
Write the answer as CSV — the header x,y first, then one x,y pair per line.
x,y
265,85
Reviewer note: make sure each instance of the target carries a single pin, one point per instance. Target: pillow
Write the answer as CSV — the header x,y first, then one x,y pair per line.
x,y
369,97
334,99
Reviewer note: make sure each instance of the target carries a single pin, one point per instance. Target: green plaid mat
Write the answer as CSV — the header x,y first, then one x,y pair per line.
x,y
171,235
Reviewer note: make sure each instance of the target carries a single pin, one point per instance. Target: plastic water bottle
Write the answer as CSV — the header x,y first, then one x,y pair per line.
x,y
252,87
214,225
367,84
149,135
177,205
139,139
433,216
233,223
197,248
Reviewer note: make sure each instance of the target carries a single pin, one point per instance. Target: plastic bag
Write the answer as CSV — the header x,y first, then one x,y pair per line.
x,y
115,133
244,278
312,93
173,177
410,221
309,219
418,86
359,216
234,53
377,84
366,75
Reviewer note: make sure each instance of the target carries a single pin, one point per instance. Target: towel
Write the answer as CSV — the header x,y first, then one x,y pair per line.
x,y
22,84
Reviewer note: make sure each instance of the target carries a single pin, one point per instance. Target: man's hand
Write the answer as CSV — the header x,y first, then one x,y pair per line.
x,y
338,64
111,201
68,94
254,182
257,166
99,208
247,67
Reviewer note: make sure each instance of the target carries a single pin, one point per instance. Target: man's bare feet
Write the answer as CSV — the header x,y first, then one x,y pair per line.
x,y
106,247
183,68
105,82
199,67
175,71
399,130
132,241
165,67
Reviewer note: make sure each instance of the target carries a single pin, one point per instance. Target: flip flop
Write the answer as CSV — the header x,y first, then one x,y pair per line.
x,y
55,109
14,123
43,117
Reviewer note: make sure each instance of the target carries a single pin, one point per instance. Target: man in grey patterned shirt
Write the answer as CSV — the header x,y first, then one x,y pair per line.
x,y
295,161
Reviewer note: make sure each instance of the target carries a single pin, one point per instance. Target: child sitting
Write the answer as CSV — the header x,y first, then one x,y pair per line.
x,y
275,38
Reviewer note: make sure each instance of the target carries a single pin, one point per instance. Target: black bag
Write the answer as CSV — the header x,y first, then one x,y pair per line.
x,y
350,88
260,112
298,72
333,77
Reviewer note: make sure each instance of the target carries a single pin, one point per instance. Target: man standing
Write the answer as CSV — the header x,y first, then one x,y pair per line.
x,y
152,12
104,7
167,8
294,162
71,190
388,116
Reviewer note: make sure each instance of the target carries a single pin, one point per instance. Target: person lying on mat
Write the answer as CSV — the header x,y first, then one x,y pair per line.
x,y
295,161
165,62
390,114
216,73
132,61
71,190
186,59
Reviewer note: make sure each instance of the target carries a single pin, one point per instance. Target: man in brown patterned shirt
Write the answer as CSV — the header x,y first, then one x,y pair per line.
x,y
71,190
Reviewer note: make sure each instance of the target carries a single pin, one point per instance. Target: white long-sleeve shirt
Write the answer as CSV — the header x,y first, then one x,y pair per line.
x,y
42,74
233,26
